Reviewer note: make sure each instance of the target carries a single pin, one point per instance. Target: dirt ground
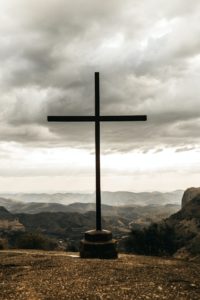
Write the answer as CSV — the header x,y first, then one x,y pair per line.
x,y
35,275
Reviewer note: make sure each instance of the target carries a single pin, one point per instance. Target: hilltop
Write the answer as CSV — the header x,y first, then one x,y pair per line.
x,y
38,275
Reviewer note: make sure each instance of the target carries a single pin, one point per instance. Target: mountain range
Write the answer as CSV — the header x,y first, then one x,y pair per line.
x,y
128,212
119,198
69,222
68,219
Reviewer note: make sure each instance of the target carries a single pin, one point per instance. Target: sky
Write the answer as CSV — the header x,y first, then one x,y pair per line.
x,y
148,56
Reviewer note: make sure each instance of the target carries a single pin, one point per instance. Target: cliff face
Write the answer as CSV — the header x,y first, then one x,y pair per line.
x,y
190,210
190,194
186,223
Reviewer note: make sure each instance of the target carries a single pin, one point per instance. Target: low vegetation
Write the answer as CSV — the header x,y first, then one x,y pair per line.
x,y
34,240
157,239
27,240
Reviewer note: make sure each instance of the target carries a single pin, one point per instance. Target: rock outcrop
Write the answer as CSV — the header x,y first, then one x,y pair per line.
x,y
186,223
190,194
177,235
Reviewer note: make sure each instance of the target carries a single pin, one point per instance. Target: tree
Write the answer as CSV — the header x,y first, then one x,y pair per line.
x,y
157,239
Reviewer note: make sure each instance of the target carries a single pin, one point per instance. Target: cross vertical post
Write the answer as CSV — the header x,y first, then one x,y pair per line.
x,y
97,152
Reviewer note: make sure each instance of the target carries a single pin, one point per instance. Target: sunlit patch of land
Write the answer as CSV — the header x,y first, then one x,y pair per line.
x,y
34,275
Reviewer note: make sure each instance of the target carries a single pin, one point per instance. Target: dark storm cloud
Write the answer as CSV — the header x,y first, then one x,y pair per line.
x,y
148,56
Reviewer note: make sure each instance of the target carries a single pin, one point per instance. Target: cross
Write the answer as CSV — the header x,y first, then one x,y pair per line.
x,y
97,118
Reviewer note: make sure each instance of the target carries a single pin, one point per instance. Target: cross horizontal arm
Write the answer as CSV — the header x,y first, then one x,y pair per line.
x,y
71,118
123,118
93,118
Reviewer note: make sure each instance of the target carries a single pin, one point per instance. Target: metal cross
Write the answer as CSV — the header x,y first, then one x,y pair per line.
x,y
97,119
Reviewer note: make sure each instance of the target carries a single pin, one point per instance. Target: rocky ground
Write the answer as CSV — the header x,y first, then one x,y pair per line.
x,y
35,275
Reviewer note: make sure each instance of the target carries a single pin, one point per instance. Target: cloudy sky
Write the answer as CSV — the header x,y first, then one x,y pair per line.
x,y
148,56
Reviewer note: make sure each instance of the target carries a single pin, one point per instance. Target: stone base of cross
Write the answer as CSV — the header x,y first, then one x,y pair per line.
x,y
97,243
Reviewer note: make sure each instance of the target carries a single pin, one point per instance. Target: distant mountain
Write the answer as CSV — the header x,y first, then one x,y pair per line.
x,y
154,212
5,214
109,198
64,217
61,198
37,207
8,203
145,198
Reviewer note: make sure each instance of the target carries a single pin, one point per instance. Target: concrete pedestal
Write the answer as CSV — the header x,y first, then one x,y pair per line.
x,y
98,244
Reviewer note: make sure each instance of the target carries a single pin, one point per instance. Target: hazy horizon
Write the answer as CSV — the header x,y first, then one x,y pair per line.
x,y
88,192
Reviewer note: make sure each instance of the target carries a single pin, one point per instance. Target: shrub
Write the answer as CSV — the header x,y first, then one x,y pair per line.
x,y
157,239
35,241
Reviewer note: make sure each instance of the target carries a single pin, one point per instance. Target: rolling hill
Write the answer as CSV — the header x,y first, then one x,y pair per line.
x,y
109,198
